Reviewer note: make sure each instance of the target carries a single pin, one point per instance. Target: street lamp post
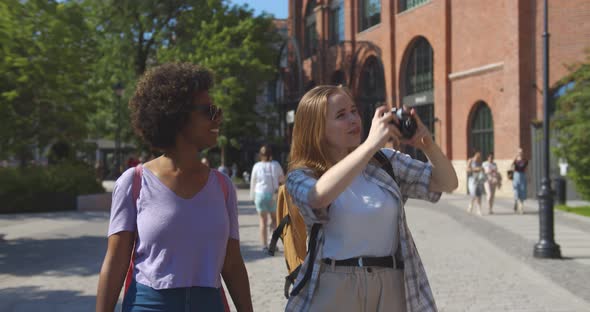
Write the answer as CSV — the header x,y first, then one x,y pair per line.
x,y
118,89
546,247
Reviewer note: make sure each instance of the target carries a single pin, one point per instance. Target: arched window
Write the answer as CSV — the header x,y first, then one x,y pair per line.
x,y
481,132
336,21
310,35
408,4
419,77
417,86
372,90
370,13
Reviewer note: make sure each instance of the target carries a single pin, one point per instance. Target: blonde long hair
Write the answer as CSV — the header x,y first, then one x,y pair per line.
x,y
308,146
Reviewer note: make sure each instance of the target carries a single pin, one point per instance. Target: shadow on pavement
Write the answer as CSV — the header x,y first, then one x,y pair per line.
x,y
247,210
58,216
32,299
247,203
80,256
253,253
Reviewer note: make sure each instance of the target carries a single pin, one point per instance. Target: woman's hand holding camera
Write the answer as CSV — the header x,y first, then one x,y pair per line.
x,y
386,126
422,139
382,128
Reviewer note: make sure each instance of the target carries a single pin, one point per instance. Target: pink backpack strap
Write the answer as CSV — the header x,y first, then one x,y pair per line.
x,y
225,190
135,190
136,185
221,180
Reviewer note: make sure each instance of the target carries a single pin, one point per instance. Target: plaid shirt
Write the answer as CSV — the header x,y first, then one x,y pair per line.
x,y
414,178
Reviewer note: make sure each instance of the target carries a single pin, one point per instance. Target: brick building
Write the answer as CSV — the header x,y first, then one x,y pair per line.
x,y
472,69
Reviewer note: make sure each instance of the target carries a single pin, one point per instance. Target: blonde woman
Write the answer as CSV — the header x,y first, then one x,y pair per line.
x,y
475,182
364,257
267,174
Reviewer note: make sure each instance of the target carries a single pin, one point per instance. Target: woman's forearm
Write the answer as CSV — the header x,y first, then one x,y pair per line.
x,y
113,270
110,282
340,176
252,185
239,287
444,177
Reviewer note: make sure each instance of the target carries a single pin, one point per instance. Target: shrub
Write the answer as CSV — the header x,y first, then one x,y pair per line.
x,y
572,122
51,188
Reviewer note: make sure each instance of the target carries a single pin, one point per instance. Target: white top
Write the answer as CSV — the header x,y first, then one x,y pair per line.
x,y
265,178
363,222
489,167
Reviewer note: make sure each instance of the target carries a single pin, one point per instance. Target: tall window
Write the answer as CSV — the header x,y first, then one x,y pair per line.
x,y
408,4
310,35
481,136
372,91
370,13
336,21
419,76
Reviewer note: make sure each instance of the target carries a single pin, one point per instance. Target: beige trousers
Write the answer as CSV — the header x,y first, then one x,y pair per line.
x,y
355,289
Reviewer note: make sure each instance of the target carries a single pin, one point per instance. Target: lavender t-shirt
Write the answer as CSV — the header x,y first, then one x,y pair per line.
x,y
181,242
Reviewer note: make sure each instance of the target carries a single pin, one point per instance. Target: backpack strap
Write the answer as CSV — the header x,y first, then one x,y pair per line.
x,y
311,250
276,234
221,180
290,280
385,164
136,185
135,190
225,190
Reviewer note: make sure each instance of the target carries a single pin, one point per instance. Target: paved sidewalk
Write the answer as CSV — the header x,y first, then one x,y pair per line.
x,y
472,267
467,268
516,235
50,262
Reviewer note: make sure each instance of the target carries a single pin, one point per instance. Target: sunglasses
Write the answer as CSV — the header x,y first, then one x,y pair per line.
x,y
213,110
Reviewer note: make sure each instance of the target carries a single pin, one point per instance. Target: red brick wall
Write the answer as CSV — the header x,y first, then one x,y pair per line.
x,y
479,40
464,35
569,30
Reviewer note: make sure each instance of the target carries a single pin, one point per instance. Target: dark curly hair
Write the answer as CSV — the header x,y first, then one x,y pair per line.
x,y
163,99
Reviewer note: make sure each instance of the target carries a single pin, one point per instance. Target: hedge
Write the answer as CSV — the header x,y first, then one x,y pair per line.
x,y
51,188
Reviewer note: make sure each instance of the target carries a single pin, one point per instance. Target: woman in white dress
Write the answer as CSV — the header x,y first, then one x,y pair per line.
x,y
267,174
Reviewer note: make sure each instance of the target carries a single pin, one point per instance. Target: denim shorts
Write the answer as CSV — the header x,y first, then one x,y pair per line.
x,y
265,202
142,298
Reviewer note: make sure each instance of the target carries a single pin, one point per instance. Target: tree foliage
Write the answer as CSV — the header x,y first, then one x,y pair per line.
x,y
47,52
572,122
236,45
60,60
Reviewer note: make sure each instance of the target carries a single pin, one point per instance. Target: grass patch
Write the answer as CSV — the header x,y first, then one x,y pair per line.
x,y
583,210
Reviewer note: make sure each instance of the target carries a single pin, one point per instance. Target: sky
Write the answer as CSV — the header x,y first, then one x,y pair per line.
x,y
278,8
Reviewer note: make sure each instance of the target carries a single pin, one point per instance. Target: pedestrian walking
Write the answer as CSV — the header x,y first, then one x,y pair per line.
x,y
475,182
519,183
363,257
182,227
493,180
266,177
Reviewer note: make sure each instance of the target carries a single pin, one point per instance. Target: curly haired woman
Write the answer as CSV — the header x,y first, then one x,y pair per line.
x,y
183,227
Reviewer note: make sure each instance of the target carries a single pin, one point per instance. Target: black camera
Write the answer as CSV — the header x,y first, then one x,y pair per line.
x,y
407,124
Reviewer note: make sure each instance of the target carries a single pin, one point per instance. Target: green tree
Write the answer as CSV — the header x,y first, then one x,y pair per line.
x,y
229,40
46,61
241,50
572,122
